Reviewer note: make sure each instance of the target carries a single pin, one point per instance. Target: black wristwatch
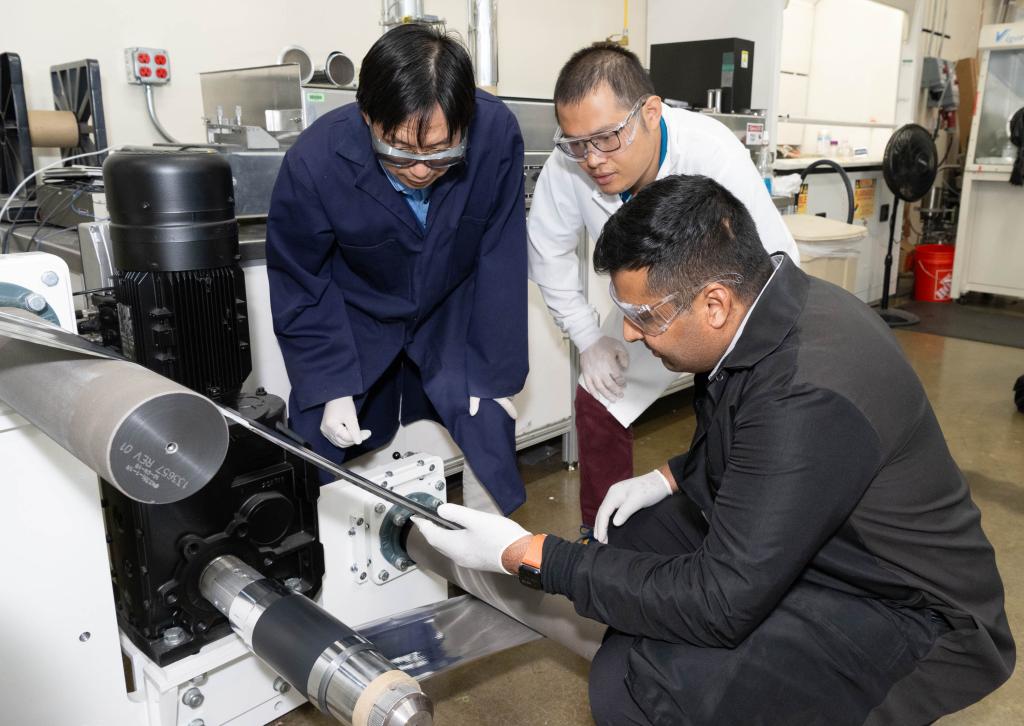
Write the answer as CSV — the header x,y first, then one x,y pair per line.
x,y
529,569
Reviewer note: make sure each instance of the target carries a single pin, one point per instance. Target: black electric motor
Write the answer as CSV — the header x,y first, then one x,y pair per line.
x,y
180,291
181,304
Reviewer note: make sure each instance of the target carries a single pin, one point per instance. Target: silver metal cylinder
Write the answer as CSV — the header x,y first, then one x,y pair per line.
x,y
715,99
552,617
155,440
396,12
339,68
300,56
483,40
340,671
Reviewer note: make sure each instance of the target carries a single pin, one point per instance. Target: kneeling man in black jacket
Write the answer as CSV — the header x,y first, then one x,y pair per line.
x,y
815,557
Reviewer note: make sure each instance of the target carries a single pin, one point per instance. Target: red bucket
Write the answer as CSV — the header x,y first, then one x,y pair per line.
x,y
933,273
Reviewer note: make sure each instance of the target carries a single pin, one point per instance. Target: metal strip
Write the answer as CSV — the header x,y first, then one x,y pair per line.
x,y
341,473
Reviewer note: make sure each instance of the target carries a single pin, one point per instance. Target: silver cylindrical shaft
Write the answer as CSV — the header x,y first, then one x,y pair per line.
x,y
552,617
340,671
150,437
483,40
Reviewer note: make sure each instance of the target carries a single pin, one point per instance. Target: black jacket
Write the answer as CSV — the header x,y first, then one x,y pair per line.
x,y
817,458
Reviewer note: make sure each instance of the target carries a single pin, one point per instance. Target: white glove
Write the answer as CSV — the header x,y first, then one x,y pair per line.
x,y
604,366
627,498
340,425
480,545
505,403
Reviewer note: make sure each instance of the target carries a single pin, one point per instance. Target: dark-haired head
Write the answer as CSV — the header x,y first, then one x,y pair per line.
x,y
409,72
605,104
686,265
602,63
685,231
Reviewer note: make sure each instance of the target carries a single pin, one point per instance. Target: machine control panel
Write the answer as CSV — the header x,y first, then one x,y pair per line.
x,y
150,66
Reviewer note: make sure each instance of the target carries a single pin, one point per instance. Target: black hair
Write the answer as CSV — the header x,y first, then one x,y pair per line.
x,y
603,62
411,69
685,231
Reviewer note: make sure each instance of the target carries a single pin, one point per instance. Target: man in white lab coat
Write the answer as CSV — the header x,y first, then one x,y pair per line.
x,y
615,138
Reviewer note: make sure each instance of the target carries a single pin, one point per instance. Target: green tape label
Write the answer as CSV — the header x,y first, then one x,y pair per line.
x,y
315,97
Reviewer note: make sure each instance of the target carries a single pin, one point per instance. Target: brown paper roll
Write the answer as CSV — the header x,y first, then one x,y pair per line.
x,y
53,128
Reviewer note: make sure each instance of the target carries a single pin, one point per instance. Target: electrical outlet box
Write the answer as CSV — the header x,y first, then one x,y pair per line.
x,y
151,66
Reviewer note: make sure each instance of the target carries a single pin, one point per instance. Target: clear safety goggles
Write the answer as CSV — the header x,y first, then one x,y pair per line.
x,y
404,159
653,320
606,142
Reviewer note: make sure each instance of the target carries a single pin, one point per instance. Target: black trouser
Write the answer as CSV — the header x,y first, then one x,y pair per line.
x,y
821,657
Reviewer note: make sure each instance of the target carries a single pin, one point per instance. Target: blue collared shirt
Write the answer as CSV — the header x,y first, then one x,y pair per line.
x,y
417,199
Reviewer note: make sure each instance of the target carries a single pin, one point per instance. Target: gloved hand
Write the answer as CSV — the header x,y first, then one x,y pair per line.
x,y
604,365
480,545
340,425
505,403
627,498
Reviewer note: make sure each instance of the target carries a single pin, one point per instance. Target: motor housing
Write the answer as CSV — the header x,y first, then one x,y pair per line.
x,y
180,291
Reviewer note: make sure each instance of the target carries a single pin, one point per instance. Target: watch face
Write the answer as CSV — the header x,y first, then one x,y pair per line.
x,y
530,576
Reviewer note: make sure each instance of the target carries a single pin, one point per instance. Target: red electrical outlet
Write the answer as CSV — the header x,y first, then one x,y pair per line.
x,y
147,65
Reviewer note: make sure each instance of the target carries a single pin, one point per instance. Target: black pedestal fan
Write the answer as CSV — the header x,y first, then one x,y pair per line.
x,y
909,167
15,145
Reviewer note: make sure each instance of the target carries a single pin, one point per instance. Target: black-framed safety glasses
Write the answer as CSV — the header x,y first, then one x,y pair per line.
x,y
606,142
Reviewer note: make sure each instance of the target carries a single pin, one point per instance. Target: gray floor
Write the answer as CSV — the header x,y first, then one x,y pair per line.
x,y
969,384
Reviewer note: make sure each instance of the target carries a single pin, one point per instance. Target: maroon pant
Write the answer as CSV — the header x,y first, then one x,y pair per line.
x,y
606,452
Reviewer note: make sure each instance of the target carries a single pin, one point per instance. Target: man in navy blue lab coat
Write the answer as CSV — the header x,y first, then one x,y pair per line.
x,y
396,252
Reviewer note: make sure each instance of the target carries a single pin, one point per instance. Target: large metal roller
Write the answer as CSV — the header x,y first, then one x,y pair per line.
x,y
338,670
153,439
552,616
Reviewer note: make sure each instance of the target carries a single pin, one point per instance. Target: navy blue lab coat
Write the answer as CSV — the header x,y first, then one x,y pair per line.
x,y
407,321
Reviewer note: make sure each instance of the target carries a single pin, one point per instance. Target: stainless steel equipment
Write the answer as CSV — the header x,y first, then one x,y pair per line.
x,y
339,671
253,115
749,128
483,41
537,124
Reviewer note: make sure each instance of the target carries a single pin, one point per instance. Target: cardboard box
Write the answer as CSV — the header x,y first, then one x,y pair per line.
x,y
967,80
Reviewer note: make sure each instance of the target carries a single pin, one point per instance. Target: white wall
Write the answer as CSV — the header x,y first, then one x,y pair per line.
x,y
963,22
855,60
535,39
670,21
795,67
840,60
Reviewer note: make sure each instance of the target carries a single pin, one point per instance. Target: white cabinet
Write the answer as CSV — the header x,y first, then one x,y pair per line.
x,y
989,233
544,405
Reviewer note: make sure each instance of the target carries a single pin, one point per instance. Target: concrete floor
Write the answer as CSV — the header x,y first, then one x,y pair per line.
x,y
969,385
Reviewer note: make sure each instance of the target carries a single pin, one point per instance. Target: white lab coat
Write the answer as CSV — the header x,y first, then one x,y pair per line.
x,y
565,201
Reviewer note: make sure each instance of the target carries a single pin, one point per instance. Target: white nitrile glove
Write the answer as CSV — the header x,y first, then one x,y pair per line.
x,y
627,498
477,547
340,425
505,403
604,365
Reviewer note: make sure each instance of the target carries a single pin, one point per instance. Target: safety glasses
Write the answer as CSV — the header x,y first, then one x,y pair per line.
x,y
400,159
653,320
606,142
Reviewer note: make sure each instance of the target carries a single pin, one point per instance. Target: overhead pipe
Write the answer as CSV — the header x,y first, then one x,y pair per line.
x,y
483,42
